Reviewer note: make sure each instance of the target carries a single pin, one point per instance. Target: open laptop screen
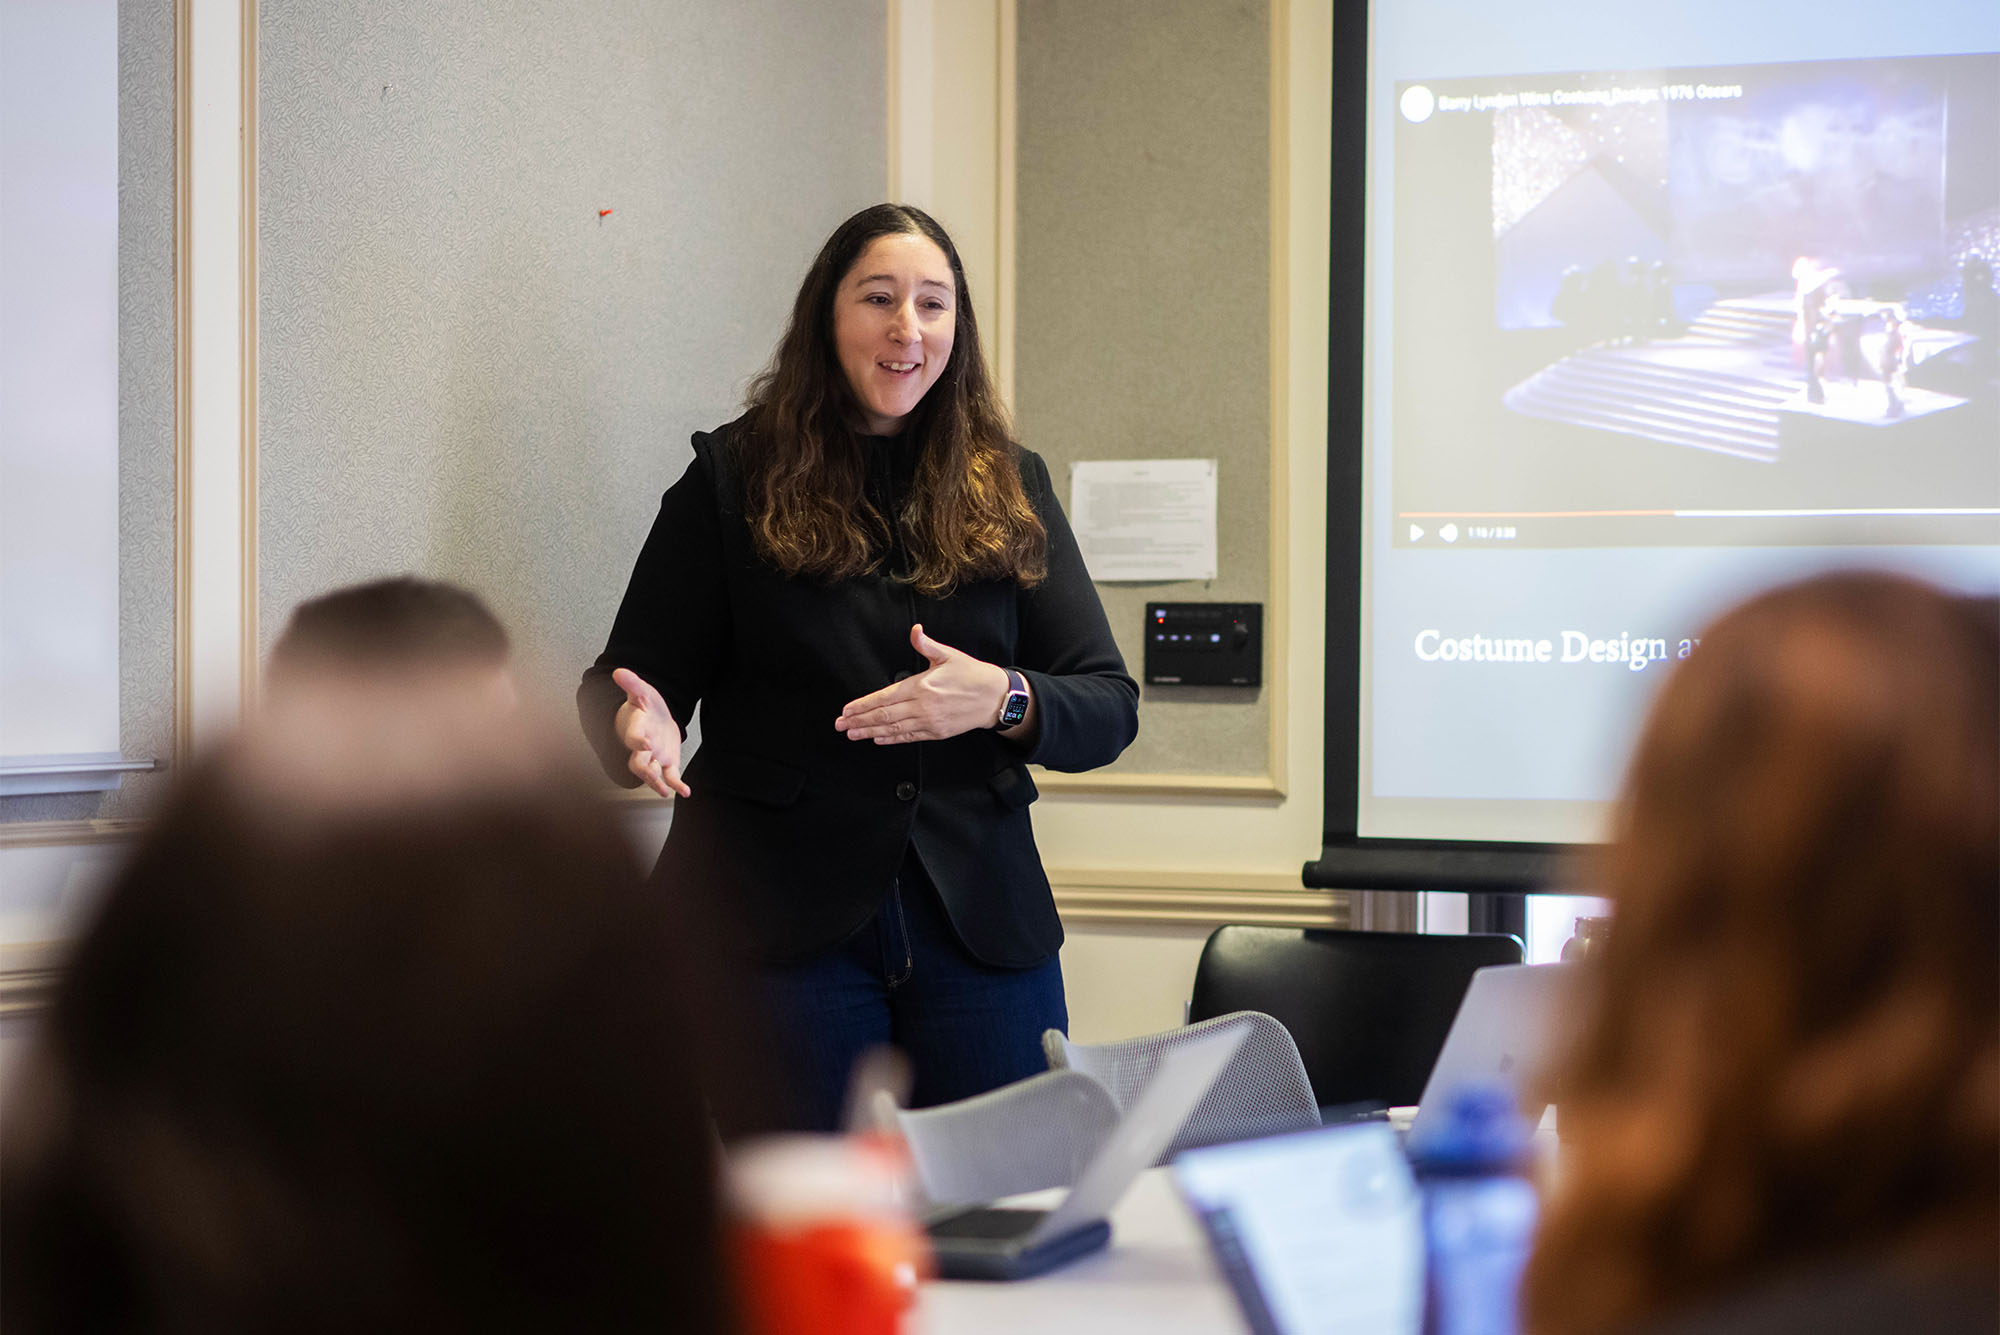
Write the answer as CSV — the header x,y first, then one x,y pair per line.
x,y
1318,1233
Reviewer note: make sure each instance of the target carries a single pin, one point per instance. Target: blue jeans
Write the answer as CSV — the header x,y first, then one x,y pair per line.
x,y
904,979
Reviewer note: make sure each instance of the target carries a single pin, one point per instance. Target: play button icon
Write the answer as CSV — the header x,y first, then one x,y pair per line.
x,y
1416,532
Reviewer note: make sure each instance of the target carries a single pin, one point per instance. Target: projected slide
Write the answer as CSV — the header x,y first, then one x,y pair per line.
x,y
1748,305
1666,304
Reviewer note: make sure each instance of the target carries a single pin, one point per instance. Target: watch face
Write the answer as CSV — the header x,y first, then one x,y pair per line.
x,y
1014,707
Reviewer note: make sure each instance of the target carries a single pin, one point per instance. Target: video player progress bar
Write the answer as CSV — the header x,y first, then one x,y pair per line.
x,y
1867,512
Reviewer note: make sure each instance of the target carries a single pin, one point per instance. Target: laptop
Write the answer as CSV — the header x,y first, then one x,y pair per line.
x,y
1317,1232
1514,1020
1006,1242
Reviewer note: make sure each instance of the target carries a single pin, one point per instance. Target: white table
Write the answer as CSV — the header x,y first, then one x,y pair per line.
x,y
1156,1278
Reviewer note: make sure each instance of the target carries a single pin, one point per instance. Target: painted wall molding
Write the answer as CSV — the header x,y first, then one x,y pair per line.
x,y
27,977
951,144
215,135
1157,897
52,833
1264,786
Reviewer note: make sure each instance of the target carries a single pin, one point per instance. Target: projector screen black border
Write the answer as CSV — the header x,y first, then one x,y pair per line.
x,y
1435,864
1347,861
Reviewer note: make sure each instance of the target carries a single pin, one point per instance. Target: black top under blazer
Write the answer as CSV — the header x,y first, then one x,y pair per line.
x,y
798,830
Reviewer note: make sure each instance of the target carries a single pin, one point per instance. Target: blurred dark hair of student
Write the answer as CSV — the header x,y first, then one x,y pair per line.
x,y
1785,1111
400,627
366,1046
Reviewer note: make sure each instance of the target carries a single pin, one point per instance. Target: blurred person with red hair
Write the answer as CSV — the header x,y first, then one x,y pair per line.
x,y
1784,1112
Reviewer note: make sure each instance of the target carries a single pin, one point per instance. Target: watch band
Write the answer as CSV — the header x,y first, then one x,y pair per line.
x,y
1014,705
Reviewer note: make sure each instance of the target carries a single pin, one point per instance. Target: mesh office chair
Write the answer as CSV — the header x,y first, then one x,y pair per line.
x,y
1035,1133
1263,1090
1368,1010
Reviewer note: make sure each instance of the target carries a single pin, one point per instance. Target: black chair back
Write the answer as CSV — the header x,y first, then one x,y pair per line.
x,y
1369,1010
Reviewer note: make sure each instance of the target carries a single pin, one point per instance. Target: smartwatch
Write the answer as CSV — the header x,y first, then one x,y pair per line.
x,y
1014,707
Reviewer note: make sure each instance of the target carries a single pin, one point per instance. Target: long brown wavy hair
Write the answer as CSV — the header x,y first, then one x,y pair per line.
x,y
1792,1055
967,515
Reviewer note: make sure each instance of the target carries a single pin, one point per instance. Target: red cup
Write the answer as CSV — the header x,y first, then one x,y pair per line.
x,y
826,1240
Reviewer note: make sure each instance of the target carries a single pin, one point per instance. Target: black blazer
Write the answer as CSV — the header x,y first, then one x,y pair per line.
x,y
799,830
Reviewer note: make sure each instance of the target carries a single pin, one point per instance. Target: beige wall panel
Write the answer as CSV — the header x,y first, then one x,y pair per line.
x,y
1143,278
1128,980
1226,836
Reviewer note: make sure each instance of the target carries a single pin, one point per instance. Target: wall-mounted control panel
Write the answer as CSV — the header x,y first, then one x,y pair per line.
x,y
1204,644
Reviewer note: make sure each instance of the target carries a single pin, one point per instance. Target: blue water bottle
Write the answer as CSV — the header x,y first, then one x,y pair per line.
x,y
1479,1214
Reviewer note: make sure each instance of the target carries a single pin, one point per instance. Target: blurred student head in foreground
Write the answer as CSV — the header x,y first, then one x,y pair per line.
x,y
1785,1111
360,1041
403,632
390,675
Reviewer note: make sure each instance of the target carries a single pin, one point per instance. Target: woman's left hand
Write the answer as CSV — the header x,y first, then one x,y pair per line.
x,y
956,693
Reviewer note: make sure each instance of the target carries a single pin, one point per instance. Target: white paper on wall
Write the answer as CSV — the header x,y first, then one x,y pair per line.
x,y
1145,519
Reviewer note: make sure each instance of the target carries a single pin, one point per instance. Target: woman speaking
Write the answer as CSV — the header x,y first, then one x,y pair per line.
x,y
871,590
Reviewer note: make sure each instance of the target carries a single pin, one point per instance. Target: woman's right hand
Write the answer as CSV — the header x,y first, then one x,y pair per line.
x,y
647,728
